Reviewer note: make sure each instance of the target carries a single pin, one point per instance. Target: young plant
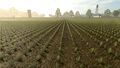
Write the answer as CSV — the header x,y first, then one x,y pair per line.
x,y
115,44
78,59
87,43
100,60
110,50
38,58
107,40
118,40
19,57
101,43
92,50
1,56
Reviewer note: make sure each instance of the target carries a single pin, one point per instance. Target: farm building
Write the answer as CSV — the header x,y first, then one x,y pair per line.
x,y
29,13
97,14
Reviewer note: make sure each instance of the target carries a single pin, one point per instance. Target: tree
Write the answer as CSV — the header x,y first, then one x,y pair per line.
x,y
71,13
58,13
89,13
13,11
66,14
119,10
77,14
116,13
107,12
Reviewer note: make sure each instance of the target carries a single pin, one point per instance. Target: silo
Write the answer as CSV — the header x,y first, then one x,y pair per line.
x,y
29,13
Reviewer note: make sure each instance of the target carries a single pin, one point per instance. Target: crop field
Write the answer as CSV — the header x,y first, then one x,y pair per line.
x,y
60,43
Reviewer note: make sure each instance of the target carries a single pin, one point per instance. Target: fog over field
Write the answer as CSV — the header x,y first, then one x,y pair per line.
x,y
59,33
47,7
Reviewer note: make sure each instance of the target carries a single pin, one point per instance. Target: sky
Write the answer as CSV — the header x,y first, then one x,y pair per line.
x,y
49,6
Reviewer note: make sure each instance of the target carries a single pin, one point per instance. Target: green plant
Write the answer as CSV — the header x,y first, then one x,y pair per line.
x,y
107,40
19,57
118,40
101,43
92,50
115,44
78,58
100,60
110,50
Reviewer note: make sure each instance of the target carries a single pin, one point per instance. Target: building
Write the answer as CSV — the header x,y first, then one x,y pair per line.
x,y
29,13
97,14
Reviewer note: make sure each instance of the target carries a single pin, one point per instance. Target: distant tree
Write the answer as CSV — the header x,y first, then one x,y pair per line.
x,y
116,13
77,14
66,14
107,12
71,13
58,13
13,11
119,10
50,15
89,13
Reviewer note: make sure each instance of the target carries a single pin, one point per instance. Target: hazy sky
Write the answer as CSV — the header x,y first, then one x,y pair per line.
x,y
49,6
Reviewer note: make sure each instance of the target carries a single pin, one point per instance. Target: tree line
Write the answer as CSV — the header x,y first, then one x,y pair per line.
x,y
107,13
67,14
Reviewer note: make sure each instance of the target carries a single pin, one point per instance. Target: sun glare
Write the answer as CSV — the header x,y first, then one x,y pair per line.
x,y
39,6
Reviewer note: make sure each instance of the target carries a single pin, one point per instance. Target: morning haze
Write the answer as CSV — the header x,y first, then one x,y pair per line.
x,y
59,34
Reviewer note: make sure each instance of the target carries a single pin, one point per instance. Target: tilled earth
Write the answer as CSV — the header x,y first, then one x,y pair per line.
x,y
59,44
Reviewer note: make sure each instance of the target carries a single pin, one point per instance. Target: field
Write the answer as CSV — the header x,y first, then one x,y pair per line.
x,y
60,43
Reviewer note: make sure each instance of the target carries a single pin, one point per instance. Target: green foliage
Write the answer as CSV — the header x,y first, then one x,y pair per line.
x,y
116,13
89,13
107,12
